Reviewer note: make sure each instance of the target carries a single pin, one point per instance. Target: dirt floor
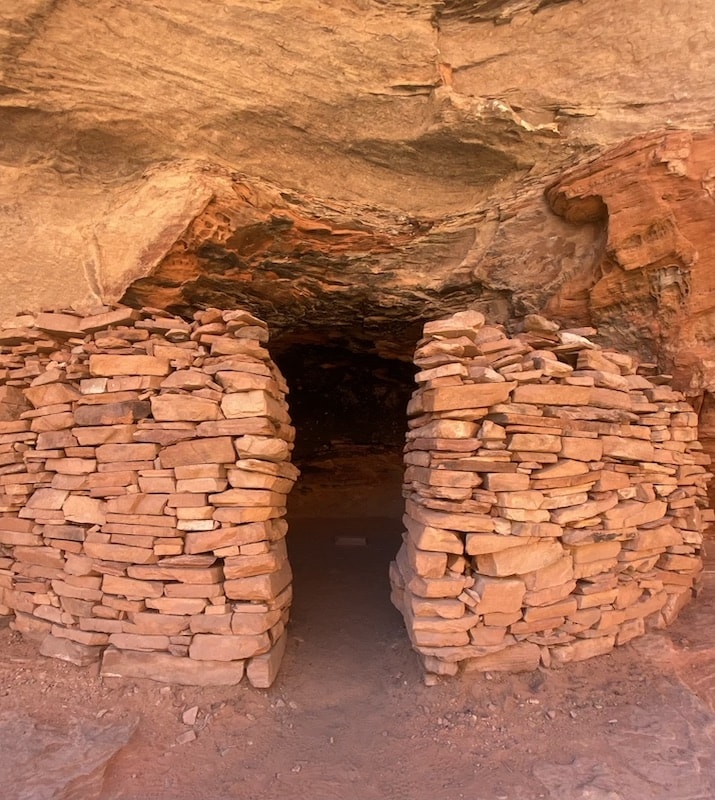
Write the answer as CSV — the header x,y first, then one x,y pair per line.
x,y
350,717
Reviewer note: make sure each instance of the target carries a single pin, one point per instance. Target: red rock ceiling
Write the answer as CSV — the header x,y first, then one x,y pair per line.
x,y
351,169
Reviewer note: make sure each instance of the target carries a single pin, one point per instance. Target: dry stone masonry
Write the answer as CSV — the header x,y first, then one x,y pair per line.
x,y
554,498
144,468
555,495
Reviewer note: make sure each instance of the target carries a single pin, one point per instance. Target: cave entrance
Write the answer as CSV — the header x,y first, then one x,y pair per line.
x,y
345,512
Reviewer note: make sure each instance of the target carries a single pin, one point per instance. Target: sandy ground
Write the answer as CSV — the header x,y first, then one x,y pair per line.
x,y
349,716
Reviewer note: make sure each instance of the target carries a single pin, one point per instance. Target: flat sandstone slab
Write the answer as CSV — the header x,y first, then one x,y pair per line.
x,y
471,395
166,668
110,366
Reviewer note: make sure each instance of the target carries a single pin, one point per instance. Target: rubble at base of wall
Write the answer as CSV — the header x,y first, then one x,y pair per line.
x,y
144,468
555,498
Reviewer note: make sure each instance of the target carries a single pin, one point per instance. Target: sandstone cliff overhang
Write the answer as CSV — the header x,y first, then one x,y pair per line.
x,y
365,166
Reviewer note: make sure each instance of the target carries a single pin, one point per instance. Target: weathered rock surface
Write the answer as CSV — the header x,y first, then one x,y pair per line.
x,y
653,282
357,168
370,158
42,762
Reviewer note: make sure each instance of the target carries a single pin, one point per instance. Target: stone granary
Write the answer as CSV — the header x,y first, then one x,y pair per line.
x,y
554,494
144,479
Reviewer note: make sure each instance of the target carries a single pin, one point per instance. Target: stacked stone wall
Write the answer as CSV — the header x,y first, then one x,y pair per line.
x,y
555,498
555,495
144,468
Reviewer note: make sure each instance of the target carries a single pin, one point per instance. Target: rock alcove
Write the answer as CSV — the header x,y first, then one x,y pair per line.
x,y
374,161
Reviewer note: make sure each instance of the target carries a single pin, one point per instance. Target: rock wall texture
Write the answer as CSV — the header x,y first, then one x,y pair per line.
x,y
555,494
144,468
359,166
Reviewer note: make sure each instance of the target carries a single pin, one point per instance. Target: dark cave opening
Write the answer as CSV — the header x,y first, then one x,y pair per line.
x,y
345,512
